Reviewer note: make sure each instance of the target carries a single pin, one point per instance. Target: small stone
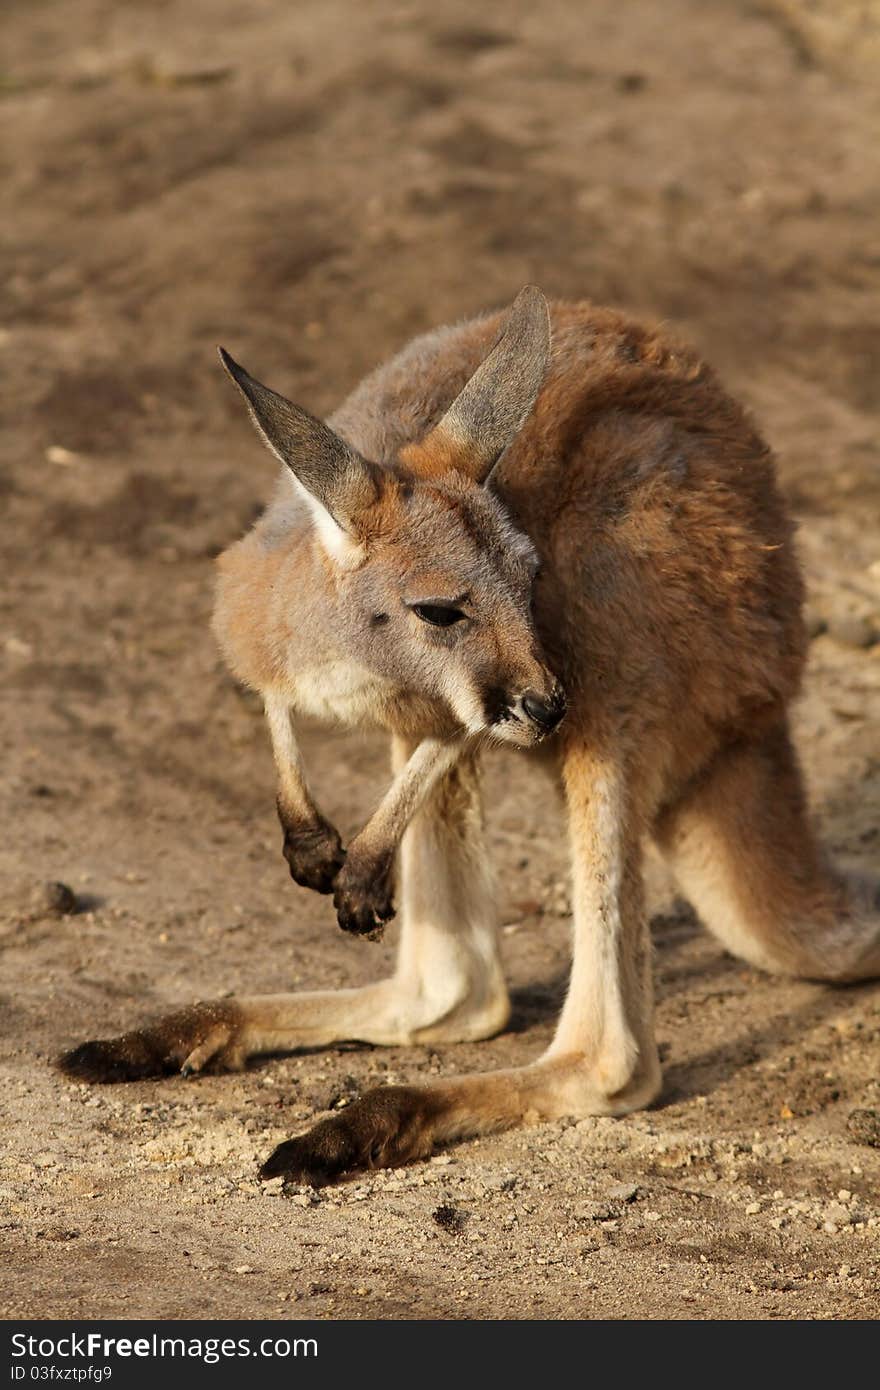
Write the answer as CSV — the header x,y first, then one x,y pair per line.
x,y
591,1211
54,900
450,1219
845,1195
864,1127
852,630
243,1269
623,1192
837,1214
753,1208
814,622
56,453
16,647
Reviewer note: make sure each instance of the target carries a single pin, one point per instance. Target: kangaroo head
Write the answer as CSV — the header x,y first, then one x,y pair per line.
x,y
431,582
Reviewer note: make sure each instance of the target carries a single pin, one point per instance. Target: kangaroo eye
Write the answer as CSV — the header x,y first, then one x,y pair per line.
x,y
438,614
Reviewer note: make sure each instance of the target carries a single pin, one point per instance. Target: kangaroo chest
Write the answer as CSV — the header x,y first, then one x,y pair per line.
x,y
342,691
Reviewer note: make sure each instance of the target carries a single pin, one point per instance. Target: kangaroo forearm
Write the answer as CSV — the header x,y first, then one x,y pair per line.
x,y
312,847
384,830
362,893
295,804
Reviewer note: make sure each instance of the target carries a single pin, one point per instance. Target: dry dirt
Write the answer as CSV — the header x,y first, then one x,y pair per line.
x,y
311,184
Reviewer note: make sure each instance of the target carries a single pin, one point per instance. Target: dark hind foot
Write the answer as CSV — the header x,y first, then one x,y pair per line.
x,y
129,1058
185,1041
388,1126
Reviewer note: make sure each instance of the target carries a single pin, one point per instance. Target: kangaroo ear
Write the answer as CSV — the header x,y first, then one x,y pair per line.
x,y
486,414
335,480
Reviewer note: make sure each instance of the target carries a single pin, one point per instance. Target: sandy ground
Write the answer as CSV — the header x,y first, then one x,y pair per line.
x,y
311,184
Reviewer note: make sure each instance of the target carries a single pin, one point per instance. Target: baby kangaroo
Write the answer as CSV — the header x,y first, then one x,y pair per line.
x,y
579,552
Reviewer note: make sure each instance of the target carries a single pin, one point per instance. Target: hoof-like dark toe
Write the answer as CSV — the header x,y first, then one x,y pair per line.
x,y
186,1040
106,1060
317,1158
386,1127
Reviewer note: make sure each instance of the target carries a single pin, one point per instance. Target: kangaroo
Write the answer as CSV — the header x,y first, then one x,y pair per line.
x,y
578,551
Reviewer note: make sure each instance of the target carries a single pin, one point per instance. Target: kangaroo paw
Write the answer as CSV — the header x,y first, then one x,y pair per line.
x,y
362,896
386,1127
185,1042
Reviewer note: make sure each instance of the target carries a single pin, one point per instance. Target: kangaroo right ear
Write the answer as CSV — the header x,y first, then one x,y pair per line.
x,y
334,479
491,407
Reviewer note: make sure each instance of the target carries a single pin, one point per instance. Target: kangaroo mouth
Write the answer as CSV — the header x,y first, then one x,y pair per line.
x,y
526,720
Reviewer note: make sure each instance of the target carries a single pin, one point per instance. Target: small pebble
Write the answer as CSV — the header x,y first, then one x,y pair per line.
x,y
852,630
302,1199
814,622
54,900
56,453
864,1127
623,1192
450,1219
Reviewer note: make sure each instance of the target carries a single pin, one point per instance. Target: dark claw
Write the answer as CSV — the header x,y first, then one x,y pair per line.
x,y
107,1060
362,897
158,1049
386,1127
314,854
362,919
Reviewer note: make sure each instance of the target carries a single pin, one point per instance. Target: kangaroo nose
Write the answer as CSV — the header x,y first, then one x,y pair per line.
x,y
544,712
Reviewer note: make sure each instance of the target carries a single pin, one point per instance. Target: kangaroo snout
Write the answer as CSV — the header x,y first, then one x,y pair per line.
x,y
546,711
525,719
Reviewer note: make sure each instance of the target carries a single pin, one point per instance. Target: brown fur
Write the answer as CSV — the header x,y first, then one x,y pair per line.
x,y
160,1048
631,549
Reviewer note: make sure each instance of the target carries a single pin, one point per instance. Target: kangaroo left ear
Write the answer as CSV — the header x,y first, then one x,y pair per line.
x,y
489,410
333,478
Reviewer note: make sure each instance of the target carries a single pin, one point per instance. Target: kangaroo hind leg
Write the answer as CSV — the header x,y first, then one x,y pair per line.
x,y
741,845
603,1058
